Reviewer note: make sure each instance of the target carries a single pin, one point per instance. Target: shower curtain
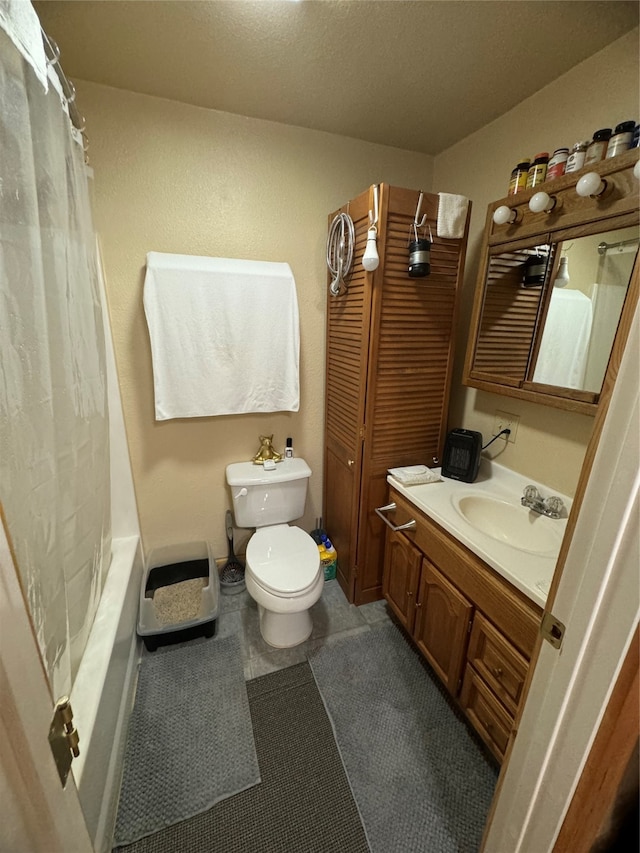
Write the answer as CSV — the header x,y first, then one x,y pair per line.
x,y
54,438
608,297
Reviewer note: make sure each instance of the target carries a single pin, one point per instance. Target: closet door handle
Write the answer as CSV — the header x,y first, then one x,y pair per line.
x,y
410,525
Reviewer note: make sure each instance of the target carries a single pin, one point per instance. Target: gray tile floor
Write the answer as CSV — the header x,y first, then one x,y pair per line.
x,y
333,617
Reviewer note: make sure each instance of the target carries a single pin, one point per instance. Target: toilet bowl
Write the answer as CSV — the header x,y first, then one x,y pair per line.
x,y
283,572
285,578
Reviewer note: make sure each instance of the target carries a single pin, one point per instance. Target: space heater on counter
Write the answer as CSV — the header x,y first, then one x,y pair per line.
x,y
461,459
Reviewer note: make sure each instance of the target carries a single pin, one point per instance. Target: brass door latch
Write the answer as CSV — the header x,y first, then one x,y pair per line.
x,y
63,738
552,629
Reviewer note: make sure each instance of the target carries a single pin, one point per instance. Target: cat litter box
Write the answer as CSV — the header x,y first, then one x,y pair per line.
x,y
179,594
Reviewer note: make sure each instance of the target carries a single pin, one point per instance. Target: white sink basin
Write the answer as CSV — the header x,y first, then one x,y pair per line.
x,y
512,524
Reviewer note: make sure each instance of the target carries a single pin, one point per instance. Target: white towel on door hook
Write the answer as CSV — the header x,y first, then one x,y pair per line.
x,y
225,336
452,215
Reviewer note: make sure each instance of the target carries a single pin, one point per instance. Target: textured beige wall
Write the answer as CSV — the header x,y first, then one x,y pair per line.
x,y
175,178
600,92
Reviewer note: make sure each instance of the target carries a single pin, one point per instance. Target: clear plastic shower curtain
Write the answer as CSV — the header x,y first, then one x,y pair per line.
x,y
54,439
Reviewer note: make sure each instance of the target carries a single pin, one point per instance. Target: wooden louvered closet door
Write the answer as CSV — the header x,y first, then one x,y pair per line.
x,y
346,364
389,360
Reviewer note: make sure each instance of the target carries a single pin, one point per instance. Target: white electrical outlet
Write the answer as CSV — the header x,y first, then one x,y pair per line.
x,y
505,420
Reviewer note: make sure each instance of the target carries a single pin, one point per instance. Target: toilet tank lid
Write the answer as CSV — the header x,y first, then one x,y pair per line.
x,y
250,474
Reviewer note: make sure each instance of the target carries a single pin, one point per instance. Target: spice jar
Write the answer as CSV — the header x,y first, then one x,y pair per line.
x,y
518,180
557,163
575,160
621,139
597,149
538,170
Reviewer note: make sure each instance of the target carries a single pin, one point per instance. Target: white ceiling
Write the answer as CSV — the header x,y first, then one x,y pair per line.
x,y
414,74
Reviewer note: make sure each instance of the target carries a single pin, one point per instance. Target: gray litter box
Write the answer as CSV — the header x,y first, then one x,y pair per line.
x,y
179,594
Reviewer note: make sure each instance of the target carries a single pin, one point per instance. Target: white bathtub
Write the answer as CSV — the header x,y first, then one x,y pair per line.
x,y
103,692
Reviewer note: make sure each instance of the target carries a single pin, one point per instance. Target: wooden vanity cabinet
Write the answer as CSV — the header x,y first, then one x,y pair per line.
x,y
474,628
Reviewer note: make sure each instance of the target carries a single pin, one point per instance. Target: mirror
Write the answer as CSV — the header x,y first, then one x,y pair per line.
x,y
552,292
512,303
587,293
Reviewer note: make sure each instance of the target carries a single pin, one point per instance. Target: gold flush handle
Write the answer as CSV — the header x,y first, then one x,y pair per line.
x,y
63,738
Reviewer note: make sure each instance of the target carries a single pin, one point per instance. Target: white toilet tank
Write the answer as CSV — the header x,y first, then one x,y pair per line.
x,y
261,497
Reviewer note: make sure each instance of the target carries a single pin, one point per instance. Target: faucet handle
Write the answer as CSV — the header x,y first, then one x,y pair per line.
x,y
554,505
531,493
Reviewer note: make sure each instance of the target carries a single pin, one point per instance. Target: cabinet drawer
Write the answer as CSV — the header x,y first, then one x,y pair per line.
x,y
485,713
497,662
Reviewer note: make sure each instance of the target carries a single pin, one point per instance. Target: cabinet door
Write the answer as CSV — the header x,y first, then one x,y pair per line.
x,y
442,625
400,578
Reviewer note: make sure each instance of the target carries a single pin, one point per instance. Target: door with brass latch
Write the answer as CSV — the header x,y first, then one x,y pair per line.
x,y
38,813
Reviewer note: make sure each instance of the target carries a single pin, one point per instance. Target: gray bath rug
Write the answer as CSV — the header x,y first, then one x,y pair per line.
x,y
420,780
303,803
190,741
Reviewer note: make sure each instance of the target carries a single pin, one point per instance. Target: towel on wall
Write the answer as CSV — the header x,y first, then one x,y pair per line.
x,y
225,336
452,215
565,340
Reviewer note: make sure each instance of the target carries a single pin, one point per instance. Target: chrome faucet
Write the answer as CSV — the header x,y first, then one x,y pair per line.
x,y
551,506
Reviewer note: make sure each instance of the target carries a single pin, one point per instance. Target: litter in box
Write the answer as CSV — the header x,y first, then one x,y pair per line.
x,y
178,602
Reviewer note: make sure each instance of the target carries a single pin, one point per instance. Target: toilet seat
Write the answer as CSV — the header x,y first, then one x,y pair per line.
x,y
283,560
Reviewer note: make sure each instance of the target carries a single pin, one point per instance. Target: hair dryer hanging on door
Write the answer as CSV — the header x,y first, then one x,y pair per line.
x,y
419,247
340,244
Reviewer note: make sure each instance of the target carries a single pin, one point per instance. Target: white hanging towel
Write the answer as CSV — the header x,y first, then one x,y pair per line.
x,y
563,350
225,336
452,215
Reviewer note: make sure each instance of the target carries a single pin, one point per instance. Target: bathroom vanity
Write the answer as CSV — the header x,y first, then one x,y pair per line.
x,y
471,598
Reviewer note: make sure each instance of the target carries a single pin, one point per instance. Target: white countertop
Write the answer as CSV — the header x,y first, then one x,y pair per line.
x,y
529,571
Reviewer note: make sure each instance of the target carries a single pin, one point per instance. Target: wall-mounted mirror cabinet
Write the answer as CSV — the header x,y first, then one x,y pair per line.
x,y
554,287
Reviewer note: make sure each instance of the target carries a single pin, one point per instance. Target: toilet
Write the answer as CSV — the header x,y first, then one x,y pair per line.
x,y
283,573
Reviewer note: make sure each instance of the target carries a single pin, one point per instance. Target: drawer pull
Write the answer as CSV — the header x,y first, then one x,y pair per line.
x,y
497,672
410,525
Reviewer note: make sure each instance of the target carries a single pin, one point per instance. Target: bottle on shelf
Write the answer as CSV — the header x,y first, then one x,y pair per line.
x,y
518,179
621,139
597,149
557,163
575,160
538,170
